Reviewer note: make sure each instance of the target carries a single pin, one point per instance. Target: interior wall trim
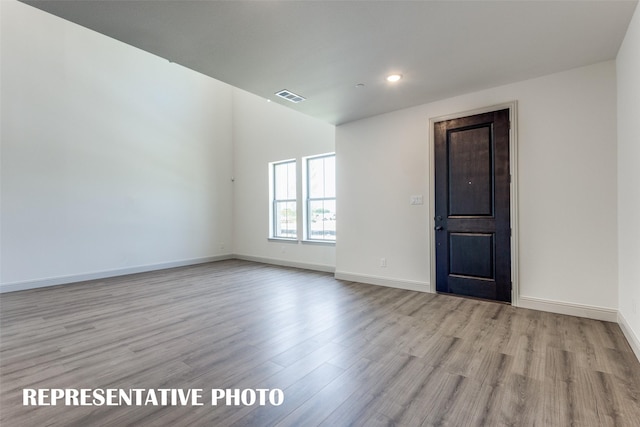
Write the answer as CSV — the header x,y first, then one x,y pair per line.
x,y
287,263
632,338
410,285
75,278
571,309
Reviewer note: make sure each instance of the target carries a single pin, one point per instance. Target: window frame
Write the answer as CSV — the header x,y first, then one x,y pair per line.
x,y
308,200
273,212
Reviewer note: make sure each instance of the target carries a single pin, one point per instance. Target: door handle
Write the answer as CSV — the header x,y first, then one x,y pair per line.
x,y
438,228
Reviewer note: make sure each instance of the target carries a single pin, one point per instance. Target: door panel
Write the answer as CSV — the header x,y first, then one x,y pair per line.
x,y
472,255
473,230
471,183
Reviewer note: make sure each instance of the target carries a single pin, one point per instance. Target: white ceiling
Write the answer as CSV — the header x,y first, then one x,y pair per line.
x,y
322,49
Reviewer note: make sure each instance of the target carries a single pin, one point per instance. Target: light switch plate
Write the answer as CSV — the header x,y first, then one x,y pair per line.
x,y
415,200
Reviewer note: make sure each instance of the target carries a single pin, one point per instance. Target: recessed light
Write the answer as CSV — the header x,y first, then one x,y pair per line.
x,y
394,78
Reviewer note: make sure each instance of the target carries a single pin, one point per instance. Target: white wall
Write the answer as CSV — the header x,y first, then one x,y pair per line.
x,y
266,132
628,73
382,162
112,159
567,189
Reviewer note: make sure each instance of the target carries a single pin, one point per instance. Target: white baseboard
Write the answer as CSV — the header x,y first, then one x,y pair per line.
x,y
63,280
410,285
287,263
579,310
632,338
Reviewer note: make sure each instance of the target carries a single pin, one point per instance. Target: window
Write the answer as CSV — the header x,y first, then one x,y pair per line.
x,y
320,218
318,202
284,207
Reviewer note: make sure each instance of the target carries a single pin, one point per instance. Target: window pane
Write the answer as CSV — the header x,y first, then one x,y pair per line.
x,y
291,180
285,180
285,220
316,178
322,220
330,176
322,177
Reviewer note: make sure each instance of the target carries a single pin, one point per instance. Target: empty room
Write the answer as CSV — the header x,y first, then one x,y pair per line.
x,y
305,213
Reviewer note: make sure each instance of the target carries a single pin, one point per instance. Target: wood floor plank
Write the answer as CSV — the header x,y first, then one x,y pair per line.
x,y
344,353
314,410
520,402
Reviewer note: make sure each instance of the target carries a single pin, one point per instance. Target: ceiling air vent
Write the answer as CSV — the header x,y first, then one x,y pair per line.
x,y
290,96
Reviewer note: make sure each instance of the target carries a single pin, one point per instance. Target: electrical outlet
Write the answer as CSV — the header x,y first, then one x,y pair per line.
x,y
383,262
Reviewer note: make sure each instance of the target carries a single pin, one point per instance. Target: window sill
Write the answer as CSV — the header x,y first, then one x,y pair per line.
x,y
318,242
282,240
304,242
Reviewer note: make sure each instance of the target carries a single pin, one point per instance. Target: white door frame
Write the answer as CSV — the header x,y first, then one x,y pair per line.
x,y
513,169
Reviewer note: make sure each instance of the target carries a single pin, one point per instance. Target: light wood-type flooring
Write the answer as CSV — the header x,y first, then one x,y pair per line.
x,y
343,353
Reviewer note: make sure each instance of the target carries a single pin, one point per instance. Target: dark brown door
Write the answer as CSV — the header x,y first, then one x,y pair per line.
x,y
472,204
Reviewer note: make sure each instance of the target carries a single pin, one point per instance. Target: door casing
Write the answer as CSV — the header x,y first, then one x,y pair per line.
x,y
513,193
